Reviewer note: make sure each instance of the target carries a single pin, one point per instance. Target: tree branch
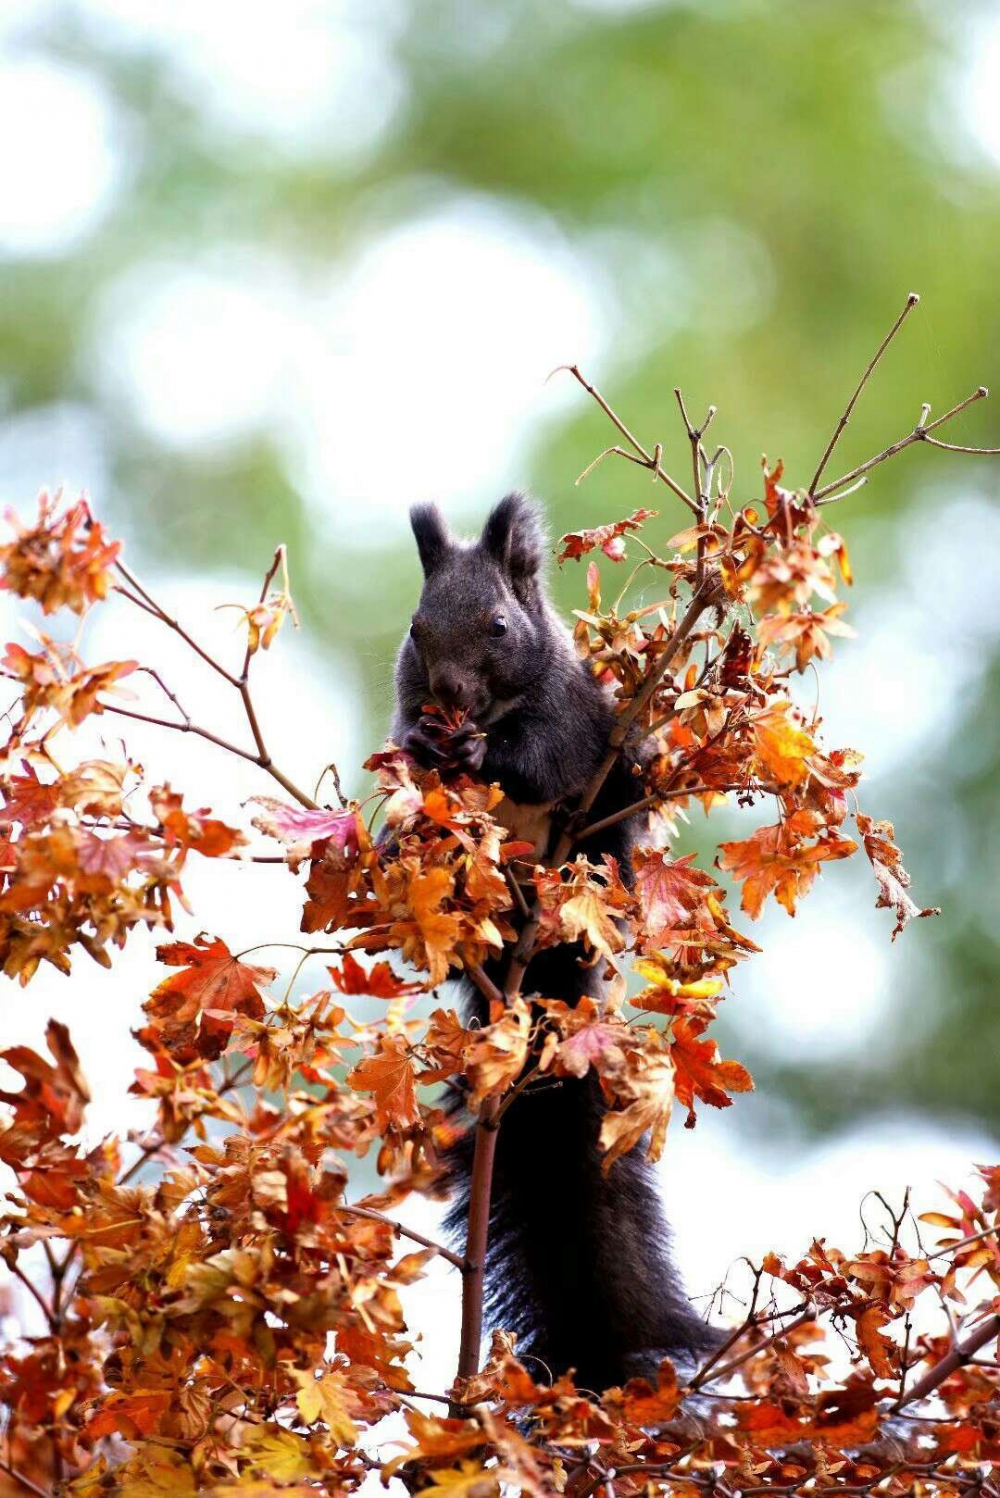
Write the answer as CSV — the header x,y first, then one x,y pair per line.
x,y
476,1241
402,1232
961,1353
139,595
829,492
24,1482
911,302
647,460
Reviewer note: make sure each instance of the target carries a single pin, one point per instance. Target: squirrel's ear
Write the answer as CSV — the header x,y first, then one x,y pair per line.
x,y
514,538
433,540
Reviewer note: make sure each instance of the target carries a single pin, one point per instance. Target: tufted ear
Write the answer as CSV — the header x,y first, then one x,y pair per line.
x,y
433,540
514,538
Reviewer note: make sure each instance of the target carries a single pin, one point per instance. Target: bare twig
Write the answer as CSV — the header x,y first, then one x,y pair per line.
x,y
911,302
174,624
831,491
186,727
139,595
648,460
402,1232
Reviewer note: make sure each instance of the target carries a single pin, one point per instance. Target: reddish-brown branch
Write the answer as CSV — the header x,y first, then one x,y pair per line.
x,y
485,984
24,1482
154,608
960,1354
33,1289
403,1232
477,1239
195,728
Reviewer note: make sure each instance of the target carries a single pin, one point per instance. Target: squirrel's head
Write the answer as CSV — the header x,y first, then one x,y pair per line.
x,y
480,624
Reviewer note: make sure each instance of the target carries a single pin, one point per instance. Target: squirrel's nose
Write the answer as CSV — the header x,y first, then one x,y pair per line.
x,y
450,689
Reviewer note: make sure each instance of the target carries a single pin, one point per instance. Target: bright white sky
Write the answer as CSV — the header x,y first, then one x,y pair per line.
x,y
206,353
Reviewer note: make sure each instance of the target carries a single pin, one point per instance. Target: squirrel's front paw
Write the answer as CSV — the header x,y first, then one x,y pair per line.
x,y
425,743
467,748
435,745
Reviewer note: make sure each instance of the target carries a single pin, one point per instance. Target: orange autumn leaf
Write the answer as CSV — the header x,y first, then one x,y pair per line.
x,y
391,1077
52,1100
807,634
379,981
62,560
198,1005
781,745
779,861
700,1073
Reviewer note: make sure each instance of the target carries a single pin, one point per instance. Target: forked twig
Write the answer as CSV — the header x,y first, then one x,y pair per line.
x,y
645,459
920,433
911,302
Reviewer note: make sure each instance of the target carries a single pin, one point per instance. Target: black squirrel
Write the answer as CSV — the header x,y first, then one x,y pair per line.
x,y
577,1264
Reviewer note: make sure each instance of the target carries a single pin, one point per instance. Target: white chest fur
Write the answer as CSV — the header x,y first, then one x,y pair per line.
x,y
529,822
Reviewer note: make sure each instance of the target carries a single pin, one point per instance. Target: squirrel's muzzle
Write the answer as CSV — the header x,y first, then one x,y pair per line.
x,y
452,689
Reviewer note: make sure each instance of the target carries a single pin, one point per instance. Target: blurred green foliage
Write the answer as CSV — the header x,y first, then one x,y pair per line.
x,y
760,184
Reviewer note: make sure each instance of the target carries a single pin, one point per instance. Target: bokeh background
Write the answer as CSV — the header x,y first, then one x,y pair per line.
x,y
275,272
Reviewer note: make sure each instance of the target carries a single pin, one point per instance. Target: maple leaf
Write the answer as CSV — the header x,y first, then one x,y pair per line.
x,y
647,1091
495,1054
642,1403
379,981
310,834
609,538
778,860
391,1077
327,1398
195,830
700,1073
672,892
212,988
469,1480
581,1039
806,633
781,746
53,679
583,902
893,880
62,560
278,1453
52,1101
96,788
28,800
880,1352
431,937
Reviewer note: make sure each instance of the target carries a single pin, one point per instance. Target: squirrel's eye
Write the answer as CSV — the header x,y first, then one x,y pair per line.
x,y
498,626
413,631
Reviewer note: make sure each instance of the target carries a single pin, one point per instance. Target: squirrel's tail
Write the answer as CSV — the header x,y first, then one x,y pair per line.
x,y
578,1263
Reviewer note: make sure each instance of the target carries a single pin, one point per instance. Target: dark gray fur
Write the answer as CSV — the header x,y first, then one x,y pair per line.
x,y
578,1264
